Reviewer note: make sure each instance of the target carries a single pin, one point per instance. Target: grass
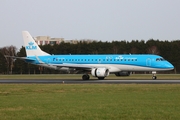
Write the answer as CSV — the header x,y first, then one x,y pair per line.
x,y
79,76
89,101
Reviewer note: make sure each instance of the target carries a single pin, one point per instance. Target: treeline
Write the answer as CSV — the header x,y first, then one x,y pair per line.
x,y
170,50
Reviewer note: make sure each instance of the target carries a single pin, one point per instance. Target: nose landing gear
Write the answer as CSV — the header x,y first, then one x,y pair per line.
x,y
154,77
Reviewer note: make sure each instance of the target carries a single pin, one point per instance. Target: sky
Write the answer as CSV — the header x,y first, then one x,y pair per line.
x,y
104,20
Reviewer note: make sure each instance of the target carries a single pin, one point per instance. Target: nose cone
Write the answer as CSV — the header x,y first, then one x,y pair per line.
x,y
164,65
169,66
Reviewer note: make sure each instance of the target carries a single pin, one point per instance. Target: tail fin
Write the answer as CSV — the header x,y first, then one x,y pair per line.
x,y
31,47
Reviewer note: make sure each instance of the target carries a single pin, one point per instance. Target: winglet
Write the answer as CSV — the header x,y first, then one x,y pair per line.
x,y
31,47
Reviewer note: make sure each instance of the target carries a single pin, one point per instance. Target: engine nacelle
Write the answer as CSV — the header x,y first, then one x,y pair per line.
x,y
100,72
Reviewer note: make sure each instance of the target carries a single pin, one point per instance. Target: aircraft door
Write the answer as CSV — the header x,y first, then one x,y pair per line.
x,y
148,62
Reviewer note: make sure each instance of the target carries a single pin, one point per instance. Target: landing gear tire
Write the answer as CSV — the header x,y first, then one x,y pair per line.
x,y
101,78
154,77
85,77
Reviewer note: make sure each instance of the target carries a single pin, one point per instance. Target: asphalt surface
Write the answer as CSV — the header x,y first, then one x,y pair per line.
x,y
50,81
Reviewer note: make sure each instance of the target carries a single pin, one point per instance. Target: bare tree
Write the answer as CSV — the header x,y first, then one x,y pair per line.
x,y
7,52
115,49
153,50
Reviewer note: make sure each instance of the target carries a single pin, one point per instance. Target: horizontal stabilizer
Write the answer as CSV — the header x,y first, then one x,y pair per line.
x,y
22,58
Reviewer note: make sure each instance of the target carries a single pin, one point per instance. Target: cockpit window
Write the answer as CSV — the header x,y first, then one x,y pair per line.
x,y
160,59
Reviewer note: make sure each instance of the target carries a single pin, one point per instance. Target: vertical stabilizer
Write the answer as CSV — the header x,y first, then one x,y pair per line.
x,y
31,47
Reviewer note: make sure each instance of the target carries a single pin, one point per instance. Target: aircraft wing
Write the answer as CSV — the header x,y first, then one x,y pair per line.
x,y
77,66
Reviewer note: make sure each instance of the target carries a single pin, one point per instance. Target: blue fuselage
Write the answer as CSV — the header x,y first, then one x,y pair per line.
x,y
121,62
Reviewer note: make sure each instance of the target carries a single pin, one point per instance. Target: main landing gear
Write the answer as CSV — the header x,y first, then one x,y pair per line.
x,y
85,77
154,75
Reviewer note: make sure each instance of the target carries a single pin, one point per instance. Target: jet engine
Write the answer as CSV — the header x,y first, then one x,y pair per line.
x,y
100,72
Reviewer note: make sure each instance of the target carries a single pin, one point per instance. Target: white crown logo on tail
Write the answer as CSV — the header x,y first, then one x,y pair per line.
x,y
31,46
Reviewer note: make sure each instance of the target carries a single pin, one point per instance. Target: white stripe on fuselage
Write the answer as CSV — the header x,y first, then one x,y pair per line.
x,y
121,67
118,67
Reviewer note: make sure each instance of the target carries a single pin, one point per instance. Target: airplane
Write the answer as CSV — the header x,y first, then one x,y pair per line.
x,y
99,66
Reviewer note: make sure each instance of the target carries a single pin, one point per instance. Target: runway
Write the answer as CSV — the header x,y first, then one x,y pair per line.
x,y
53,81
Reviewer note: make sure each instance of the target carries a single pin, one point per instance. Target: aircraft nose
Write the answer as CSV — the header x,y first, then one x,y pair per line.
x,y
169,66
